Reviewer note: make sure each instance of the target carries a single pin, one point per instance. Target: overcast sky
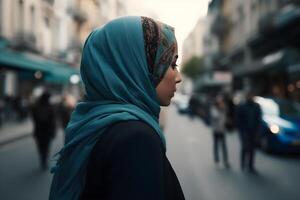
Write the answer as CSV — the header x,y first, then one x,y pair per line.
x,y
182,14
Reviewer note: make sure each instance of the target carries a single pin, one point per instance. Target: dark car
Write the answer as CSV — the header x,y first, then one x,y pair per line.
x,y
280,130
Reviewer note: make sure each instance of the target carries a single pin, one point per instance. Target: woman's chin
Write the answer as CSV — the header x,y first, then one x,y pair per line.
x,y
165,103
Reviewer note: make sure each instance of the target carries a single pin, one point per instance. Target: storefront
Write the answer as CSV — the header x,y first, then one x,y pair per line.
x,y
275,74
21,72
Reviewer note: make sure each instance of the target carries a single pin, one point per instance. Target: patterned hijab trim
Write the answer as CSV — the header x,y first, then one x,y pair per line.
x,y
160,45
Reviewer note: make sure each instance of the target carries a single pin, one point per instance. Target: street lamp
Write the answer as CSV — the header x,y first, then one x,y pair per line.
x,y
74,79
38,75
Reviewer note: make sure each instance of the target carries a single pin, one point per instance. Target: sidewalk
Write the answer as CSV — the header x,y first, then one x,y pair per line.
x,y
13,131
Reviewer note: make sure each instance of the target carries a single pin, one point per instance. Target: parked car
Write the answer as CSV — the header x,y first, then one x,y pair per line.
x,y
280,130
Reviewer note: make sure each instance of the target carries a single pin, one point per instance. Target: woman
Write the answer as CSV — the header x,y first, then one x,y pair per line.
x,y
114,147
218,115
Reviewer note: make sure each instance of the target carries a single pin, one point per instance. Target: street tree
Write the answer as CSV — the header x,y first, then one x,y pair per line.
x,y
194,67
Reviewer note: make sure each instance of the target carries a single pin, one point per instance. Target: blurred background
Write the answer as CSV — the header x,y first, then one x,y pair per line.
x,y
227,48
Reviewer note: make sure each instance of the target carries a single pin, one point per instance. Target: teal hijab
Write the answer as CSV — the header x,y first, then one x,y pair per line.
x,y
119,86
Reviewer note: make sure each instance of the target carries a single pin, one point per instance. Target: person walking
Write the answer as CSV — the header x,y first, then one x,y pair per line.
x,y
230,112
248,119
43,115
218,119
114,147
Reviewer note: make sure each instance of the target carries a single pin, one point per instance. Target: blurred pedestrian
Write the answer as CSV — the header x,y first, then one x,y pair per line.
x,y
114,148
44,126
66,108
248,119
218,119
230,112
208,102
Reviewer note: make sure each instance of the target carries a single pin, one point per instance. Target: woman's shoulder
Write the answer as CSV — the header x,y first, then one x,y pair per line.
x,y
130,133
131,126
132,130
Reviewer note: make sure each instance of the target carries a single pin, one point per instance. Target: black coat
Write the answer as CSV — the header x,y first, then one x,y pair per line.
x,y
249,119
129,162
44,121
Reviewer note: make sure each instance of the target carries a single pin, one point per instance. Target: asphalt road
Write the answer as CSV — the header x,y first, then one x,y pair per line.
x,y
189,148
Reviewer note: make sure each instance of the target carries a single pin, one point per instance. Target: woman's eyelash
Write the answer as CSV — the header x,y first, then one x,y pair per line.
x,y
174,66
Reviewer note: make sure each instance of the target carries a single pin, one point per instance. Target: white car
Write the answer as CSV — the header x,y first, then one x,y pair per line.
x,y
181,101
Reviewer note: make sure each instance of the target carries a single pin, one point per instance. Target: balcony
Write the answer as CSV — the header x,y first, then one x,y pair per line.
x,y
287,15
289,2
51,2
279,19
214,6
24,41
77,14
277,31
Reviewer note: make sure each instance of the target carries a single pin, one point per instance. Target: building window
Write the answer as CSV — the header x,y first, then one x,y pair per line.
x,y
253,6
47,22
241,19
241,13
20,16
1,17
51,2
32,20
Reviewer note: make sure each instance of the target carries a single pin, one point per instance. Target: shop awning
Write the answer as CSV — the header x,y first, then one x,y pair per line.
x,y
20,61
60,73
52,71
3,43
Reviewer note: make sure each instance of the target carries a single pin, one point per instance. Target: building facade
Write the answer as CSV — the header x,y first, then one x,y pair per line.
x,y
193,44
259,45
37,45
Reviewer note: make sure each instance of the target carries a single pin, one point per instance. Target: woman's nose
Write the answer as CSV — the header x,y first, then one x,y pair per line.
x,y
178,77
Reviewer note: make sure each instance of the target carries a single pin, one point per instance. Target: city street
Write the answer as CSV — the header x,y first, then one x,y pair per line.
x,y
189,146
233,64
190,151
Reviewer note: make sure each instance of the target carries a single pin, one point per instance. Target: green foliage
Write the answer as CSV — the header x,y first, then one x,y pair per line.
x,y
193,68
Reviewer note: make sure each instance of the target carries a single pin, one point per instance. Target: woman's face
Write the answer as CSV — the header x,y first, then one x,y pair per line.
x,y
167,86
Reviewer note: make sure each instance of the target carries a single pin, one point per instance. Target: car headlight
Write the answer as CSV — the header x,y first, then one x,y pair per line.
x,y
274,128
